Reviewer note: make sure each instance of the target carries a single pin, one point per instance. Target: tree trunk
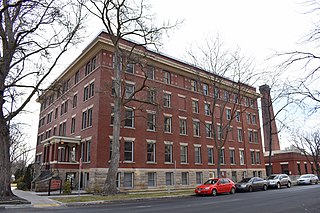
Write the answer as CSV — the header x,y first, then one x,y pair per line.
x,y
5,164
110,186
219,163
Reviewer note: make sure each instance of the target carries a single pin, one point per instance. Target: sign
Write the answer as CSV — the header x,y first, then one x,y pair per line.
x,y
55,184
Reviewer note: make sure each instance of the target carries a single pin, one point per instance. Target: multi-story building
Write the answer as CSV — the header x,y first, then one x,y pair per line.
x,y
168,143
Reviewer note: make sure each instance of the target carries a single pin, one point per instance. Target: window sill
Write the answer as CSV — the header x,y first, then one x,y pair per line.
x,y
129,162
151,162
150,130
169,163
184,163
198,164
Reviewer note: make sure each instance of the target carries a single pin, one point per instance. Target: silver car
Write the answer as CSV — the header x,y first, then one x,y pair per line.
x,y
252,183
307,179
278,180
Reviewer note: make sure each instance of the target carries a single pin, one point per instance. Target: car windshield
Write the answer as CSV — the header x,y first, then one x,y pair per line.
x,y
305,176
271,177
211,181
245,180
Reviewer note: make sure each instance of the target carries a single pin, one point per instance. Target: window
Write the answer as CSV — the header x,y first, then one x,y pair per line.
x,y
74,100
258,160
205,89
112,115
254,119
87,118
195,106
130,68
88,144
129,91
220,132
236,98
210,155
199,178
216,93
226,96
232,157
239,131
110,150
77,77
184,178
208,130
65,86
246,101
73,125
228,114
255,137
150,73
151,121
252,103
238,116
184,154
197,155
167,100
167,124
183,126
86,93
63,129
169,178
90,66
221,156
248,118
152,179
181,102
128,180
166,77
196,128
207,109
151,96
250,136
241,153
168,153
151,152
49,117
129,118
64,108
56,113
252,157
194,86
128,151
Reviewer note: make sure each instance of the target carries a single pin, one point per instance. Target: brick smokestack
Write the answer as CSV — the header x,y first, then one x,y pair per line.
x,y
267,117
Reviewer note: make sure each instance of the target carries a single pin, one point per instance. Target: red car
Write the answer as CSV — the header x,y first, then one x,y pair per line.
x,y
215,186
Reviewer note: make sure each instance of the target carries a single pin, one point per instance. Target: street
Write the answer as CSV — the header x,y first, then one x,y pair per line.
x,y
295,199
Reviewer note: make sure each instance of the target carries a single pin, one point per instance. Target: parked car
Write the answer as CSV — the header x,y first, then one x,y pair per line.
x,y
215,186
307,179
278,180
252,183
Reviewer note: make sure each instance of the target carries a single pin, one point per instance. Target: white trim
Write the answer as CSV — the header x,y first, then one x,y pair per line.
x,y
167,115
184,144
128,139
284,163
181,117
197,145
181,96
168,142
151,141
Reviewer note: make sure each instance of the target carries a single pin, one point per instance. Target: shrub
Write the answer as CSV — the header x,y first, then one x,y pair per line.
x,y
67,187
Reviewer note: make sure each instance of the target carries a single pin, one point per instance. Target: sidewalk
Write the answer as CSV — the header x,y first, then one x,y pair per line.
x,y
34,199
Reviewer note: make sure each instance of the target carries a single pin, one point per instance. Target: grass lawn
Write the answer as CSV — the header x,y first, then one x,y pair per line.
x,y
92,198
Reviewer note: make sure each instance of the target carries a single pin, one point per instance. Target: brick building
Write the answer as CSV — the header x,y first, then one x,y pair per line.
x,y
163,145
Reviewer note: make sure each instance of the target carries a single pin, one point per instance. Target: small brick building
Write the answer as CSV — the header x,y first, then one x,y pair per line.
x,y
169,145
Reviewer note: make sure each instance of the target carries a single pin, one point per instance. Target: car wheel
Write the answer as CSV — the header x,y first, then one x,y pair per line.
x,y
250,189
265,187
289,184
214,192
278,186
316,182
232,191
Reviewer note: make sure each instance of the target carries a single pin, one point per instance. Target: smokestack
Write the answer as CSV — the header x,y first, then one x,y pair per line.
x,y
267,117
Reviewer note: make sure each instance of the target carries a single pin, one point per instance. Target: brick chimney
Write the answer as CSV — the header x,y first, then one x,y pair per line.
x,y
267,116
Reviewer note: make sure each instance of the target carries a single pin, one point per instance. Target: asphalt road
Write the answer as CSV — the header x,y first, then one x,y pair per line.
x,y
296,199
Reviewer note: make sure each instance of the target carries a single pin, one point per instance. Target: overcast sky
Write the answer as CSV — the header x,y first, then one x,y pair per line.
x,y
258,27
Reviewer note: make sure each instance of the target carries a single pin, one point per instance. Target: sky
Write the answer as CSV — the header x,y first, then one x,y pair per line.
x,y
258,28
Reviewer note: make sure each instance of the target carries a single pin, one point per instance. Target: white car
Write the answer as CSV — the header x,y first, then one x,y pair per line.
x,y
307,179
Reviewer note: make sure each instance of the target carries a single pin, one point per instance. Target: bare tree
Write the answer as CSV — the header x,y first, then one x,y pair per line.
x,y
34,36
124,19
309,145
229,70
